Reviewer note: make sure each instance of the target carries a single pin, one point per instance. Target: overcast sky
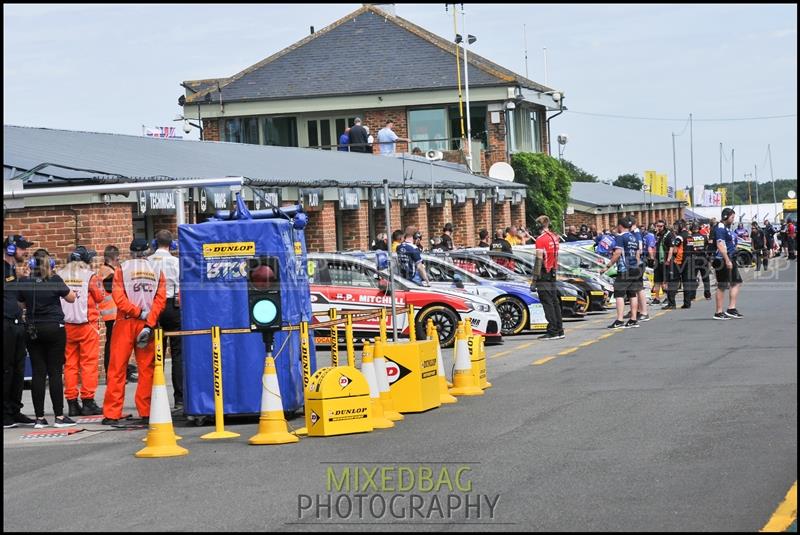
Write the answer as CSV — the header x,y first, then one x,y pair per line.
x,y
115,68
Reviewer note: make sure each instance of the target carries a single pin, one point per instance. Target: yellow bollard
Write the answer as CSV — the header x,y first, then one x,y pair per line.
x,y
161,439
305,361
412,328
219,413
334,339
464,382
444,395
348,337
382,325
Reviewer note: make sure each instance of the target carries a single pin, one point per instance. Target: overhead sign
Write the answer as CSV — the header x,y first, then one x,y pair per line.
x,y
480,197
516,197
264,198
379,198
500,197
311,199
459,197
349,199
158,202
437,199
212,199
789,205
410,198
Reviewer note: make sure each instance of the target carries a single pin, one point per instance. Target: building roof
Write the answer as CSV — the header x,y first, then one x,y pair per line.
x,y
97,157
367,51
599,194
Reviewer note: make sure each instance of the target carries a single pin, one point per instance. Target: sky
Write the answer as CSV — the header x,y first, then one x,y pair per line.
x,y
114,68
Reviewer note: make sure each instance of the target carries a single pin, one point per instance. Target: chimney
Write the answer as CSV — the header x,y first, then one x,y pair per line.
x,y
389,9
312,30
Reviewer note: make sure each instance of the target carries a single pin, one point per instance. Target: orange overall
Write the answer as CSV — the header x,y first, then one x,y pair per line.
x,y
82,351
131,295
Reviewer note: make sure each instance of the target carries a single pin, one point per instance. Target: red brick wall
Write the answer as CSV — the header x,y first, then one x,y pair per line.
x,y
518,214
465,232
321,230
355,228
211,130
544,134
54,228
376,119
419,218
437,217
482,216
379,219
502,214
496,147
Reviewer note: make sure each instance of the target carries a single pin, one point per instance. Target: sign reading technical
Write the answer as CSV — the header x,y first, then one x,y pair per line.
x,y
388,493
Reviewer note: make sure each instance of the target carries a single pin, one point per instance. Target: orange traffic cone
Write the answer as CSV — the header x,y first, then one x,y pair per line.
x,y
272,427
383,384
464,383
444,395
161,438
379,420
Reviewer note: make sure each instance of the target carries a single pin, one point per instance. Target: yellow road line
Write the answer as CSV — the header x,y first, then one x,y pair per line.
x,y
523,346
542,361
568,351
785,514
587,343
604,336
502,353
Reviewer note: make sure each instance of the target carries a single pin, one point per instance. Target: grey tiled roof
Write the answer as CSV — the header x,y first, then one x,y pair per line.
x,y
110,156
599,194
367,51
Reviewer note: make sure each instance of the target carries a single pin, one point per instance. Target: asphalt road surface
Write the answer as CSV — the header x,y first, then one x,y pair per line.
x,y
685,423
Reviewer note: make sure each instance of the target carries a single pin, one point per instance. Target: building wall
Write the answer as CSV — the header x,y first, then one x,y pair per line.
x,y
321,230
609,220
502,214
211,130
379,219
518,214
496,149
418,217
355,228
464,229
483,218
438,217
376,119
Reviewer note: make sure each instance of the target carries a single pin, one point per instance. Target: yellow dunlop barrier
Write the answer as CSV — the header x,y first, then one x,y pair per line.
x,y
338,402
272,427
412,372
379,420
444,396
383,383
334,338
464,383
216,356
484,380
348,338
477,361
305,361
161,441
412,328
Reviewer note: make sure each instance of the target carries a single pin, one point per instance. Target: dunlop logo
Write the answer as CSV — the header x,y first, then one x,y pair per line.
x,y
217,250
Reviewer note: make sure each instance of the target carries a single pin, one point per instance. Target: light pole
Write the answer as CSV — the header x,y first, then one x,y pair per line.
x,y
182,101
470,39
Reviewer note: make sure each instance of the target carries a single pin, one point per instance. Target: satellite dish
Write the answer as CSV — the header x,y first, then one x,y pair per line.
x,y
502,171
791,194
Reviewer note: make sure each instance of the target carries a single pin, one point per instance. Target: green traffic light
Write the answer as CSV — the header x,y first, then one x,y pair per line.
x,y
264,312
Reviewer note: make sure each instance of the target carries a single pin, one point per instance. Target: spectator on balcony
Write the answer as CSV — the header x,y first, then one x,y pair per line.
x,y
358,137
387,139
344,141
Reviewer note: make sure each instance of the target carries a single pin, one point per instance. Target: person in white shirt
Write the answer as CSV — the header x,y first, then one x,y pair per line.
x,y
387,139
170,320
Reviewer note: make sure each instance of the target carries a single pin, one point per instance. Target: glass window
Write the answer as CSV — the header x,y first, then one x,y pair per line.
x,y
340,126
477,119
280,131
233,130
313,136
325,134
355,275
534,117
424,125
523,129
250,130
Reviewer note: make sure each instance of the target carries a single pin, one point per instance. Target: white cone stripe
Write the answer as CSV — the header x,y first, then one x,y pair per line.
x,y
368,370
441,360
271,394
159,406
380,372
462,356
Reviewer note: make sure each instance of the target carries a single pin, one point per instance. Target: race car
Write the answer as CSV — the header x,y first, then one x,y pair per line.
x,y
345,282
574,302
523,264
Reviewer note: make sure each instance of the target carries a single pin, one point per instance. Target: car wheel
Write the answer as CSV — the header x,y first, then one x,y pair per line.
x,y
744,259
513,314
444,319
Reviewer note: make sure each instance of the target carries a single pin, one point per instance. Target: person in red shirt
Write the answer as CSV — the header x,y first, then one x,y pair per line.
x,y
791,233
544,278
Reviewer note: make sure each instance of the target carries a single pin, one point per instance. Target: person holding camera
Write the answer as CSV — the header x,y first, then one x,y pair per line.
x,y
140,294
46,337
82,319
13,334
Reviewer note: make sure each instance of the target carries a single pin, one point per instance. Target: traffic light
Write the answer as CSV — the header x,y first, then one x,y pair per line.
x,y
264,293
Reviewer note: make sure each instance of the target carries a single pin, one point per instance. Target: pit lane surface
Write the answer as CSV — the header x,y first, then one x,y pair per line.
x,y
685,423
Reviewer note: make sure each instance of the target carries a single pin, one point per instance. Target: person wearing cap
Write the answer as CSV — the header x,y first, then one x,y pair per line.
x,y
170,319
16,250
727,272
447,237
81,318
46,337
140,294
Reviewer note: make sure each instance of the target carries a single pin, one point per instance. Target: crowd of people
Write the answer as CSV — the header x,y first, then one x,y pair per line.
x,y
54,315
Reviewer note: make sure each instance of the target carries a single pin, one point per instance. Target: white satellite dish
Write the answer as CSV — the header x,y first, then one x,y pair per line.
x,y
502,171
791,194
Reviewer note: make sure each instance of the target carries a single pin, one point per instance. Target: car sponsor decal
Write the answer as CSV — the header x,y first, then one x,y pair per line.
x,y
216,250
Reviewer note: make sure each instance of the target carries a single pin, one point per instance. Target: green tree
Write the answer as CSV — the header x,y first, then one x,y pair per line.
x,y
548,185
629,180
576,174
743,195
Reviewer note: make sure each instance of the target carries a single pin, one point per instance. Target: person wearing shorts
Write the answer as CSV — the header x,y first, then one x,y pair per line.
x,y
628,282
725,268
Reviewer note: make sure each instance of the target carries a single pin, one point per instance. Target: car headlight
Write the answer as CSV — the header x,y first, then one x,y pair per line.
x,y
480,307
570,291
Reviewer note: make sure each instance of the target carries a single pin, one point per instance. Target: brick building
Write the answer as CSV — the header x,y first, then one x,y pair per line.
x,y
594,203
306,94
